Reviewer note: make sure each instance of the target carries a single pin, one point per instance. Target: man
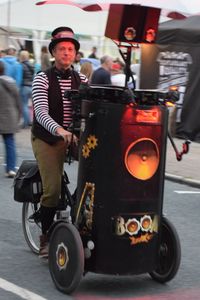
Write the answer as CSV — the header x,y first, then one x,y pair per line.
x,y
93,54
12,66
103,74
118,77
52,118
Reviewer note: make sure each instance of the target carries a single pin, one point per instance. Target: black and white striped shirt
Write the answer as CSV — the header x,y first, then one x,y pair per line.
x,y
40,101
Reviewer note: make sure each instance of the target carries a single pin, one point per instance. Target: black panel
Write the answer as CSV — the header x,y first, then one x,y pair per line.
x,y
140,18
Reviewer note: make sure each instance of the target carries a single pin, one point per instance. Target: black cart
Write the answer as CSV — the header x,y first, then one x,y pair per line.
x,y
118,225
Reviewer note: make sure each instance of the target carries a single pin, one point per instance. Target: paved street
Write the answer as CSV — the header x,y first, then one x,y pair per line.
x,y
27,277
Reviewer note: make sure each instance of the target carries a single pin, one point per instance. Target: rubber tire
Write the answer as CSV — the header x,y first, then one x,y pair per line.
x,y
31,229
66,280
169,253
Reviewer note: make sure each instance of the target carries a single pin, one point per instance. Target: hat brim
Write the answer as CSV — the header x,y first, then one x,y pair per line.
x,y
53,43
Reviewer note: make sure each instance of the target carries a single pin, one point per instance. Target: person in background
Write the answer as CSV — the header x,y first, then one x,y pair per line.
x,y
93,54
12,66
87,70
45,59
118,77
10,113
51,133
77,62
103,74
37,66
2,53
26,85
121,63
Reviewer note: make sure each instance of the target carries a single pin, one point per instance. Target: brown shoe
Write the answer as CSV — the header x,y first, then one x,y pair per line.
x,y
44,246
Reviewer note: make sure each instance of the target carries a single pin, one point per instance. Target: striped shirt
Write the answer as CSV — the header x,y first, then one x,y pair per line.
x,y
40,101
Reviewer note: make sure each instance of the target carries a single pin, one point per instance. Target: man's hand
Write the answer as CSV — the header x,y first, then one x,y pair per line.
x,y
67,136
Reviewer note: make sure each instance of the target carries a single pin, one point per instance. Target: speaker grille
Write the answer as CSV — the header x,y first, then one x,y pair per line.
x,y
142,158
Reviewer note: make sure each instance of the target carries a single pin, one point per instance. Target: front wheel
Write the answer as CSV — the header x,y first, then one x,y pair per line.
x,y
31,225
66,257
169,256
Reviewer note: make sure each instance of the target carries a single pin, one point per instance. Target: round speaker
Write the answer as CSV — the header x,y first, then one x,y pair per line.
x,y
142,158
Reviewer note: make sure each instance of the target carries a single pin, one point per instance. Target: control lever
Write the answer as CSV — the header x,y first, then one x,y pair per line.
x,y
185,147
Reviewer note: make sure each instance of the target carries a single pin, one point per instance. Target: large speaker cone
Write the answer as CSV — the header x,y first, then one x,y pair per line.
x,y
142,158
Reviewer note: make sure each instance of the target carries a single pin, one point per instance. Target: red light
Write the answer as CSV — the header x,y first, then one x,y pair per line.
x,y
148,116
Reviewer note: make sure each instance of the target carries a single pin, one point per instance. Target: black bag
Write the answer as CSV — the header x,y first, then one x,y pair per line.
x,y
27,183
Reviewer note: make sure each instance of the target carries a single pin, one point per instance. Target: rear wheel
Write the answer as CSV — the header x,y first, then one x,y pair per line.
x,y
169,256
66,257
31,225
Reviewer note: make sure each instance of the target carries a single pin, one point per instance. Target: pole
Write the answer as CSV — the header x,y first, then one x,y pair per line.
x,y
8,20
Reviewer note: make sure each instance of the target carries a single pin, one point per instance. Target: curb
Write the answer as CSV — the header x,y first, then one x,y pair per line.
x,y
183,180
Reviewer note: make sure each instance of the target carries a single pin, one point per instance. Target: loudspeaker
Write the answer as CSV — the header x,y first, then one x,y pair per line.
x,y
143,140
123,152
132,23
142,158
121,184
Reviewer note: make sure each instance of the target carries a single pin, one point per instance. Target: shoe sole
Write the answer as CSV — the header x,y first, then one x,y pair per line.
x,y
46,256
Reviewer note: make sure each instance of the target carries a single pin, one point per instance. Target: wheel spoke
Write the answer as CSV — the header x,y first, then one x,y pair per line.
x,y
31,225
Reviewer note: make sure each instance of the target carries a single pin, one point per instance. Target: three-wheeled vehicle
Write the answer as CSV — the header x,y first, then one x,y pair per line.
x,y
116,224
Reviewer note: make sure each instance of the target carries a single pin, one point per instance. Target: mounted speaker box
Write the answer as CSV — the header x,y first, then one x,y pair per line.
x,y
121,177
132,23
142,136
129,160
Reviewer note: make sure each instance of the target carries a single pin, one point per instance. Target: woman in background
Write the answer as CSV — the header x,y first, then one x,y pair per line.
x,y
26,86
87,70
10,113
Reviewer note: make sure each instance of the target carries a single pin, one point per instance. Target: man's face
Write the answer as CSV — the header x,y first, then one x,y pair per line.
x,y
64,54
109,63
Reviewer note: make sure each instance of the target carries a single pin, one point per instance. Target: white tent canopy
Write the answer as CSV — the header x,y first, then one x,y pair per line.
x,y
25,14
40,19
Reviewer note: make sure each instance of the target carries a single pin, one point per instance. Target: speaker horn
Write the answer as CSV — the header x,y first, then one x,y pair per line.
x,y
142,158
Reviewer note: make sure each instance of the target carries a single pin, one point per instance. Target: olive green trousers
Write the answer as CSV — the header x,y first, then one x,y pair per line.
x,y
50,159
